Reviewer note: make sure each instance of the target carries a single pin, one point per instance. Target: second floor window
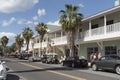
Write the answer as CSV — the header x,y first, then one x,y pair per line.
x,y
109,22
94,26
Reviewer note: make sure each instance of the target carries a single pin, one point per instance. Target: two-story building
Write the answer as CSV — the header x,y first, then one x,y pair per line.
x,y
99,32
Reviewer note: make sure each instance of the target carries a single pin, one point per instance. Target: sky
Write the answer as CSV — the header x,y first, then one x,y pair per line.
x,y
15,15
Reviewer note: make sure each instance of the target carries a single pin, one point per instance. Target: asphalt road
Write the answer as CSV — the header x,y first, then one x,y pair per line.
x,y
25,70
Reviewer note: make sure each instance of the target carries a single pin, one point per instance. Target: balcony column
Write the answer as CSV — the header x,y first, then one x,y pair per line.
x,y
105,24
89,28
61,35
55,37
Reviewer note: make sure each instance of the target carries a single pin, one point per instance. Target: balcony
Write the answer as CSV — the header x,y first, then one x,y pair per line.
x,y
55,42
101,33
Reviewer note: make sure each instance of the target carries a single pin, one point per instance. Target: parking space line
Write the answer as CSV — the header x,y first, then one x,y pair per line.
x,y
55,72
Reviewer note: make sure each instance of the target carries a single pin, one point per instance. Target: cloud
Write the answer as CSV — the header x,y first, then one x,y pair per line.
x,y
54,23
11,36
41,12
6,23
81,5
10,6
35,18
29,22
35,23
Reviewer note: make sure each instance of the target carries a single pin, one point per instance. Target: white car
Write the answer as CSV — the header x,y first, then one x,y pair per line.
x,y
34,58
3,70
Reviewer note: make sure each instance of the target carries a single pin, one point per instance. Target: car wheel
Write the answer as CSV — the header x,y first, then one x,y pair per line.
x,y
94,67
117,69
73,65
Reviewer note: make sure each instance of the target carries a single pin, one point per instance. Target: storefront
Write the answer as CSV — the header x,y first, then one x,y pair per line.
x,y
108,47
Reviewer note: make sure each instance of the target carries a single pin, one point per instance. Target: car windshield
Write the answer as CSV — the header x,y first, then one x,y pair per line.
x,y
115,57
73,58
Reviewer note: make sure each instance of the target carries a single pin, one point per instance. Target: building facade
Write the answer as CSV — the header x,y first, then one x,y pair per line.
x,y
98,33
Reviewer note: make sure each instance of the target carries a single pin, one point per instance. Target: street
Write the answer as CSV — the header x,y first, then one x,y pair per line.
x,y
25,70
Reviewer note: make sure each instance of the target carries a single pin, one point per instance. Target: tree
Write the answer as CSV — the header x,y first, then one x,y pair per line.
x,y
27,35
41,29
19,42
70,21
4,42
12,48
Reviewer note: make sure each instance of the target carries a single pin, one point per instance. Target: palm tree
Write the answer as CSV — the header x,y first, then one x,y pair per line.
x,y
41,29
19,42
27,35
70,21
4,42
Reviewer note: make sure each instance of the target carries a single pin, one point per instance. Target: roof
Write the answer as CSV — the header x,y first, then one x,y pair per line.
x,y
53,28
102,13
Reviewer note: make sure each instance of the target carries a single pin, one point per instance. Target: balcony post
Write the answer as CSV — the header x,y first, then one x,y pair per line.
x,y
105,24
89,28
61,35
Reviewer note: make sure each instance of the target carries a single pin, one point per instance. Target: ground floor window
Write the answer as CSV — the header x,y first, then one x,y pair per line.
x,y
91,51
110,50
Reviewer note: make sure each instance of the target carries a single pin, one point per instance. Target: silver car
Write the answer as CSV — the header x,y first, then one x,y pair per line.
x,y
33,58
108,62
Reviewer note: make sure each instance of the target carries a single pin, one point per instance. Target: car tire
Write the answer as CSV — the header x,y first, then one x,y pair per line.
x,y
117,69
94,67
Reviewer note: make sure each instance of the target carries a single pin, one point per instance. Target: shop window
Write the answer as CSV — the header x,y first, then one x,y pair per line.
x,y
110,50
91,51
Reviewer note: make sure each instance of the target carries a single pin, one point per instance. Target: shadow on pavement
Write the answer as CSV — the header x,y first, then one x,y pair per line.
x,y
12,77
46,69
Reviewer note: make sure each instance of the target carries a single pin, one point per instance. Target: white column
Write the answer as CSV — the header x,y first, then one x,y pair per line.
x,y
61,35
55,35
90,28
105,24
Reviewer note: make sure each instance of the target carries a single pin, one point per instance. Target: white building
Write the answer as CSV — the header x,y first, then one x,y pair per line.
x,y
99,32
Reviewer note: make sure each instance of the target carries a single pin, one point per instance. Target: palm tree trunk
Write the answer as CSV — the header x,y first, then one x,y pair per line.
x,y
40,49
3,51
27,45
70,42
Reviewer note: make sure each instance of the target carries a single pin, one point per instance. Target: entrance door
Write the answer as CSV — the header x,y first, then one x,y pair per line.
x,y
90,51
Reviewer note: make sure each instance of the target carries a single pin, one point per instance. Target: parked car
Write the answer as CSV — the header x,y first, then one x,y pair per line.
x,y
75,62
3,70
33,58
50,58
108,62
44,59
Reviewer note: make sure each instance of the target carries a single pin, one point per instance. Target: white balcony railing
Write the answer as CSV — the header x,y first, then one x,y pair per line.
x,y
100,31
113,28
86,35
97,31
